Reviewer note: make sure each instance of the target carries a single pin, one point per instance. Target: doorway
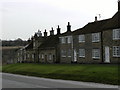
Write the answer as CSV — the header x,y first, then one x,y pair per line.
x,y
75,56
107,54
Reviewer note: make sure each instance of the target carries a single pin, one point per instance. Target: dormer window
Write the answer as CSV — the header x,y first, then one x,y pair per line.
x,y
116,34
81,38
95,37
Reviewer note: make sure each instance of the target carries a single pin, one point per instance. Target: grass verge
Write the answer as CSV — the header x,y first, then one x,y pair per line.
x,y
107,74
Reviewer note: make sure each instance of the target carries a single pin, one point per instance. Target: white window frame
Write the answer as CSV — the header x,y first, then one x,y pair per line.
x,y
96,53
81,52
95,37
81,38
116,51
63,53
116,34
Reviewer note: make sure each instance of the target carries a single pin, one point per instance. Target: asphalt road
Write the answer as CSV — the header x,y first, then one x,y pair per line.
x,y
20,81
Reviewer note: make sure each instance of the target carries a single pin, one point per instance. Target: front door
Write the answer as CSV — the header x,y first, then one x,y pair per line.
x,y
75,56
107,54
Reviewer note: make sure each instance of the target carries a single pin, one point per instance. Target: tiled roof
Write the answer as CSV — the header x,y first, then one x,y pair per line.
x,y
50,42
66,33
113,23
99,26
29,46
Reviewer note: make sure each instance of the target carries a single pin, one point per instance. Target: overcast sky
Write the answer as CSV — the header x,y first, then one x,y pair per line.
x,y
22,18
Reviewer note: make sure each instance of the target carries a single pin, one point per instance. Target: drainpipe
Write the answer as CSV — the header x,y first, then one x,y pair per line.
x,y
72,50
102,47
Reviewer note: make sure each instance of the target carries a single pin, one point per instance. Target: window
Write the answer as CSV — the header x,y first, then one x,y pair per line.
x,y
33,56
81,52
116,34
34,44
95,37
69,40
28,55
25,57
63,40
42,56
50,56
63,53
96,53
69,53
18,54
81,38
116,51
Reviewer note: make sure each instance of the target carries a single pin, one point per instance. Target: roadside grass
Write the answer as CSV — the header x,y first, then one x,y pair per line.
x,y
99,73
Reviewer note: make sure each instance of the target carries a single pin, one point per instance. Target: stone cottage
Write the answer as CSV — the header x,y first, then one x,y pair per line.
x,y
96,42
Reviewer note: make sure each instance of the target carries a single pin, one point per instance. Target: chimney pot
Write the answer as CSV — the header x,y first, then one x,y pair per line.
x,y
52,32
45,33
68,27
58,30
95,18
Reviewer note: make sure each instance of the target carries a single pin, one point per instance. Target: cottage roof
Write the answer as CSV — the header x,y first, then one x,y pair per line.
x,y
66,33
50,42
99,26
29,46
113,23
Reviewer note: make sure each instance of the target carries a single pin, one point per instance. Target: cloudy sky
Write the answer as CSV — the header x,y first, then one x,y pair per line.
x,y
22,18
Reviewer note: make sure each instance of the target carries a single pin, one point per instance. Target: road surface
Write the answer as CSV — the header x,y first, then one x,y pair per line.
x,y
20,81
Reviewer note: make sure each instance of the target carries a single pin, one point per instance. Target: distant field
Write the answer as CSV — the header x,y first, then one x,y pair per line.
x,y
10,47
91,73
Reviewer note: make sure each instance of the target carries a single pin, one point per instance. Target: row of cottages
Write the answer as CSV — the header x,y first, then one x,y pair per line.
x,y
96,42
41,49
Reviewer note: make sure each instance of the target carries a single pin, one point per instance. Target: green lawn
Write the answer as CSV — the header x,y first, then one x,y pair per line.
x,y
80,72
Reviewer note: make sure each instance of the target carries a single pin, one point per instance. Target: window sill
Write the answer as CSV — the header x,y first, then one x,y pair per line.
x,y
116,39
63,56
116,56
95,58
81,57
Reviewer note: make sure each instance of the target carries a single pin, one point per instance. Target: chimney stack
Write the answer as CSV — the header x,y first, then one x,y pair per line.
x,y
52,32
45,33
68,27
39,33
58,30
95,18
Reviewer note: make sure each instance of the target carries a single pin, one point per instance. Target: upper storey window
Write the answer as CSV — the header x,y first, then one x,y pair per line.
x,y
95,37
63,40
81,38
116,34
66,39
